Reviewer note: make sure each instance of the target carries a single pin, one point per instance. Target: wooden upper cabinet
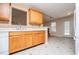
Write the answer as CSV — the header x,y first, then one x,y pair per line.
x,y
4,11
35,17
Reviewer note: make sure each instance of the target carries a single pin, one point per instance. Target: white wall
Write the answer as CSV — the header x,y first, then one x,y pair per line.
x,y
60,26
77,30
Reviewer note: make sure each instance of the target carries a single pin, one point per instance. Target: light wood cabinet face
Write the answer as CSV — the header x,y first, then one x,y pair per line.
x,y
28,40
35,18
15,33
42,37
38,37
22,40
13,43
35,39
4,11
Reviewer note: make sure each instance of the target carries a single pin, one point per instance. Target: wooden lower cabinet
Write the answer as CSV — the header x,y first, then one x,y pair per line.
x,y
28,40
14,43
22,40
38,37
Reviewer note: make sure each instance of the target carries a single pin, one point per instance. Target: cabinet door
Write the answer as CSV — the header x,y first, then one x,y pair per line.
x,y
13,43
16,43
4,11
38,38
35,39
28,40
36,18
20,42
23,41
41,37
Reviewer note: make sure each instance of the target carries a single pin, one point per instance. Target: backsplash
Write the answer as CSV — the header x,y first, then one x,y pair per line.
x,y
8,27
11,27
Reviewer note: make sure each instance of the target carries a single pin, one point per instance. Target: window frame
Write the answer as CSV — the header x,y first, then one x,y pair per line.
x,y
67,29
53,26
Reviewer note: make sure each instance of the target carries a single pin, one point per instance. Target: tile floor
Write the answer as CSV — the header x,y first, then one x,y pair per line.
x,y
55,46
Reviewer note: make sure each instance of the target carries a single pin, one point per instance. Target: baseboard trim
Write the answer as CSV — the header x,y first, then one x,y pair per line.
x,y
61,36
4,53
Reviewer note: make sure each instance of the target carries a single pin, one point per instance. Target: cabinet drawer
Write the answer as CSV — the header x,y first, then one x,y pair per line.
x,y
28,32
15,33
37,32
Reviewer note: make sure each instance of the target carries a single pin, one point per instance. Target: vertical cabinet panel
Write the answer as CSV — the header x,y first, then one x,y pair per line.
x,y
35,39
4,11
29,40
21,42
42,37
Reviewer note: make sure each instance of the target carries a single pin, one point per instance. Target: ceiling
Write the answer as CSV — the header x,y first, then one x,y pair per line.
x,y
53,9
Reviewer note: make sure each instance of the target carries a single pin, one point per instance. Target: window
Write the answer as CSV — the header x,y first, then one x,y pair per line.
x,y
67,28
53,26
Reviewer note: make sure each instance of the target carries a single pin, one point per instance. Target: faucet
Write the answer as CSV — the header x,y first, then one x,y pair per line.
x,y
19,27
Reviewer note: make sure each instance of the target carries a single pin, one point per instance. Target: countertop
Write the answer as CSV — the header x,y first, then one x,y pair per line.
x,y
22,29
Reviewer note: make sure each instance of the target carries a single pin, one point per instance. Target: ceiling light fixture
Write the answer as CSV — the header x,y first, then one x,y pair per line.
x,y
46,5
69,13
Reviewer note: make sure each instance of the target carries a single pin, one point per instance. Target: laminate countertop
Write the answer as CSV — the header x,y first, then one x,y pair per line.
x,y
23,29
